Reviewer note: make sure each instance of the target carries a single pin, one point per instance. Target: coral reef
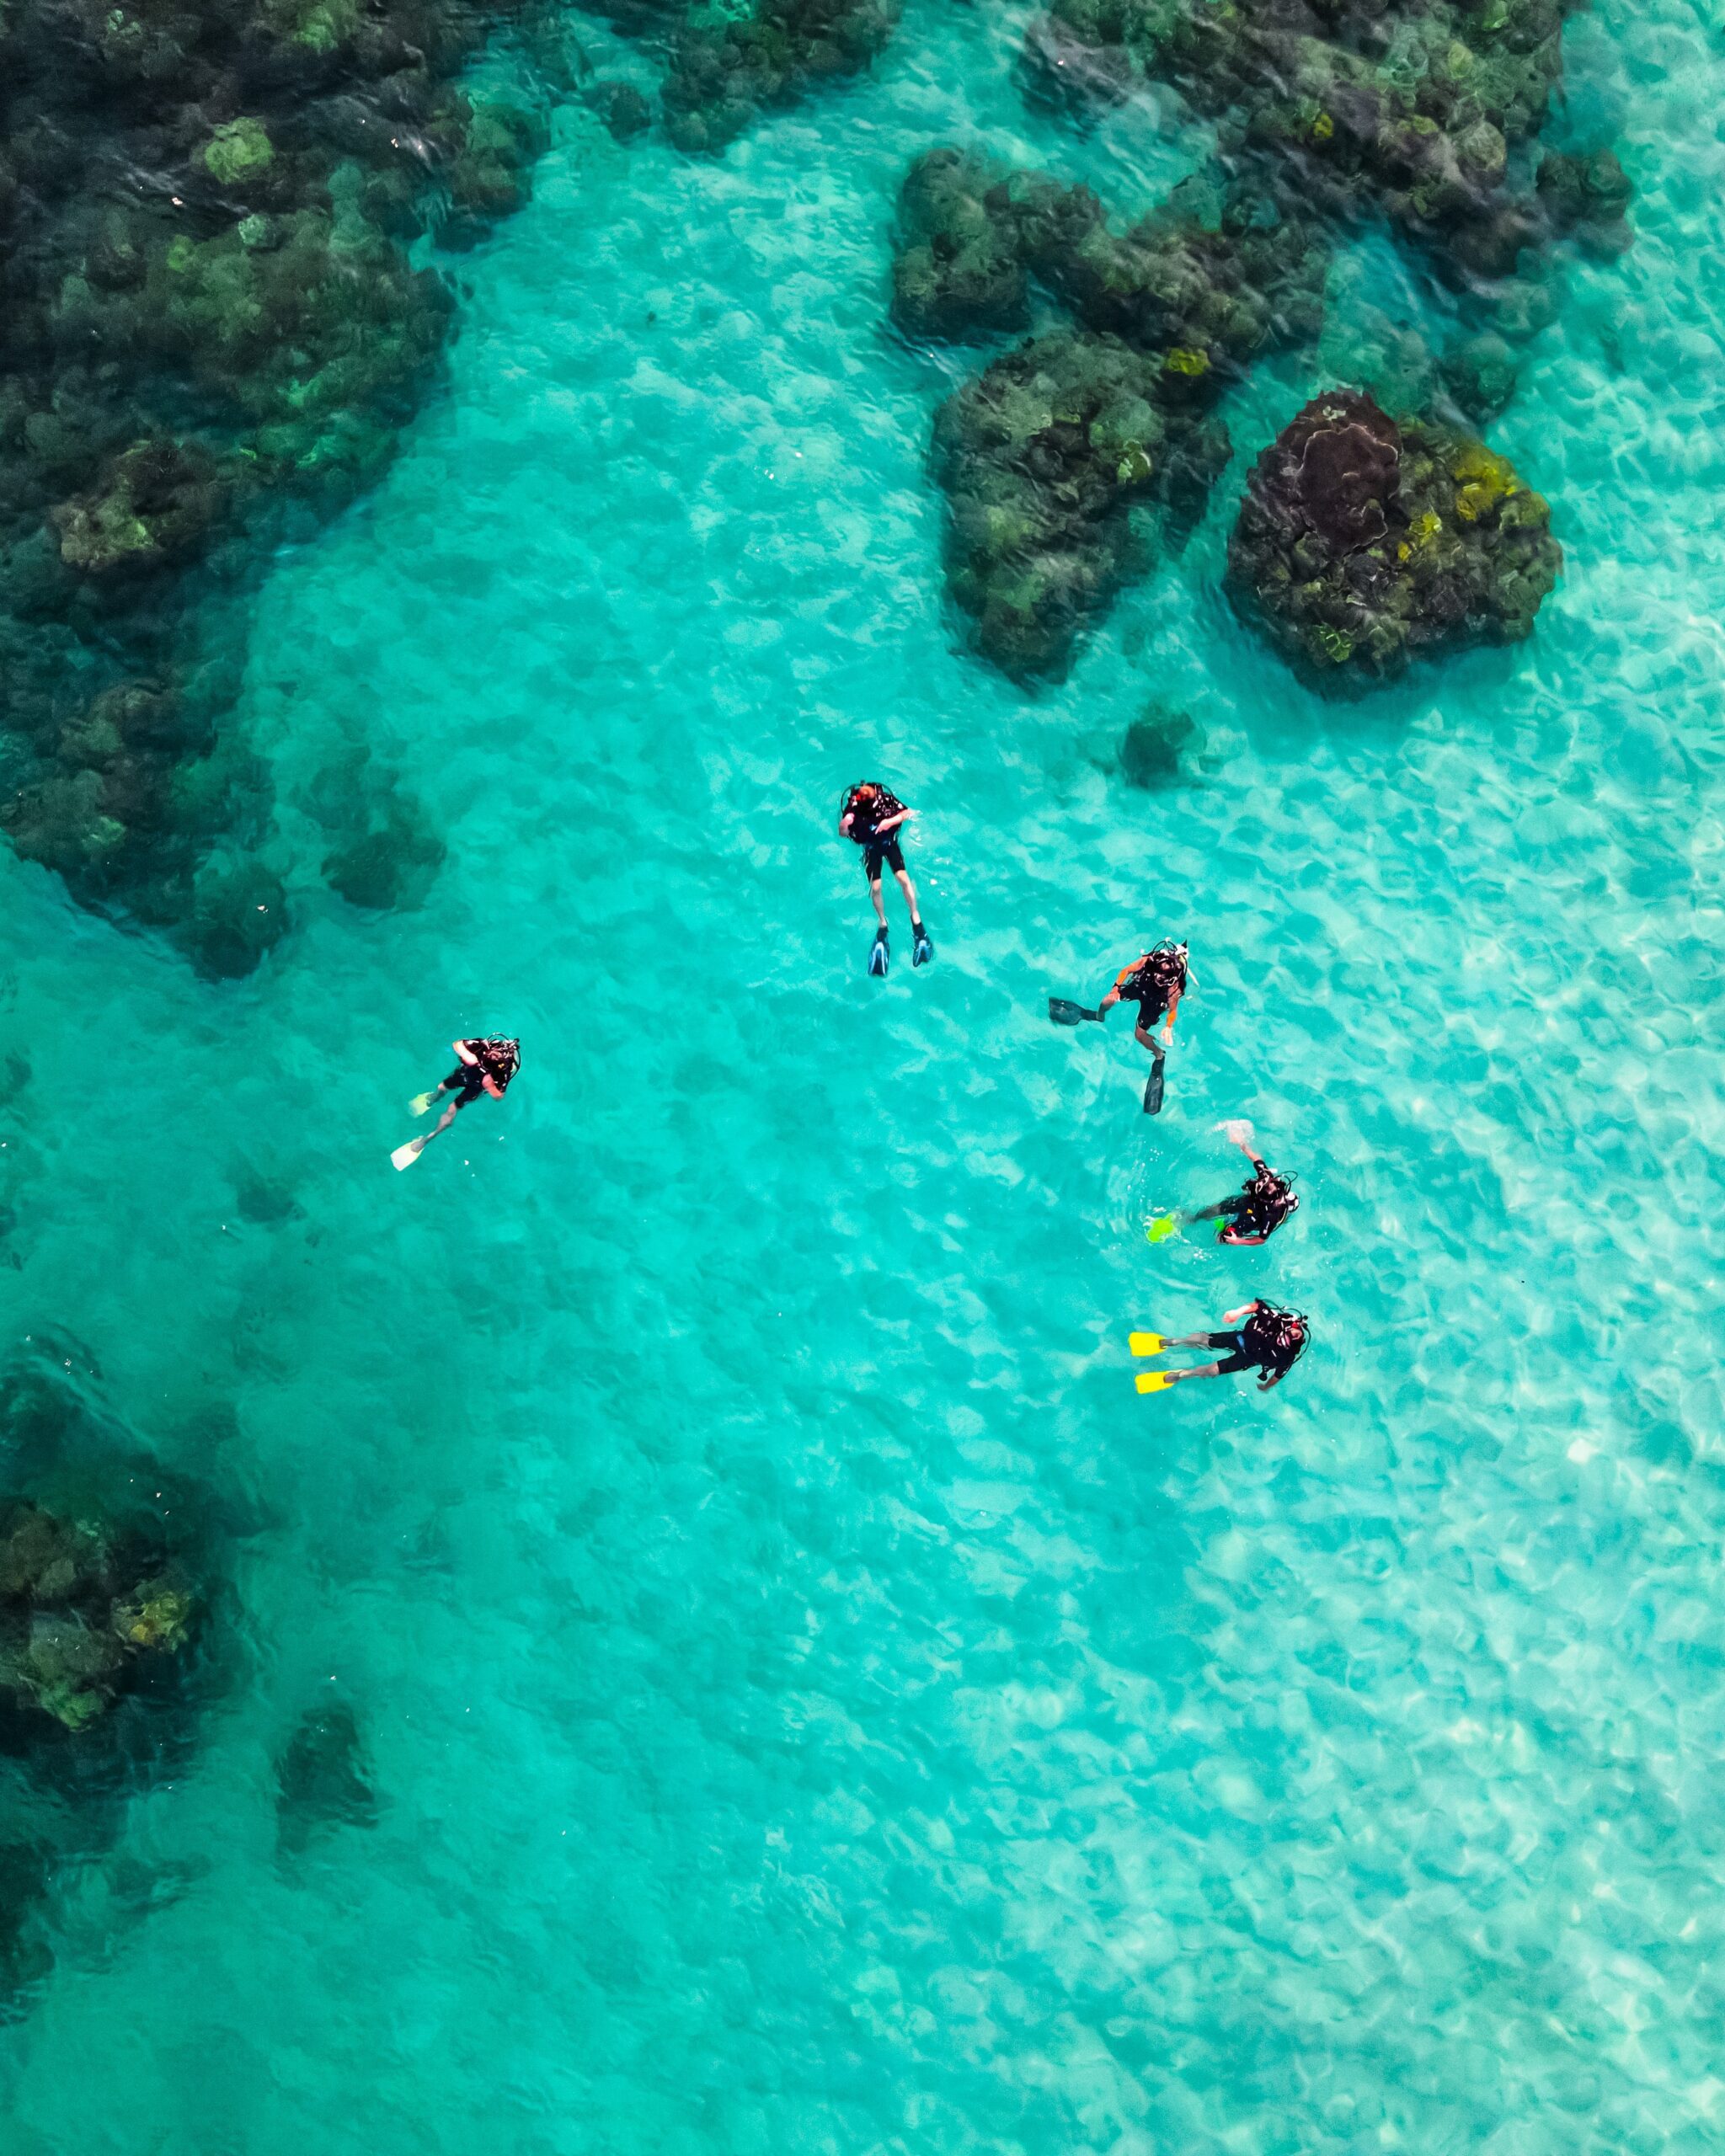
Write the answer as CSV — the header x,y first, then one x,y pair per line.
x,y
210,334
732,59
320,1778
1213,278
80,1604
1362,542
107,1575
1410,107
1044,454
1041,457
78,1608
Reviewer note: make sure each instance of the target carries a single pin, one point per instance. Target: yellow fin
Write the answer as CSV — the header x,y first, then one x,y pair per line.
x,y
1147,1343
1154,1380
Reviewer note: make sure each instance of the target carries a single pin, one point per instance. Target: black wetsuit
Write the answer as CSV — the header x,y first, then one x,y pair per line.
x,y
866,818
1151,982
494,1058
1262,1206
1260,1344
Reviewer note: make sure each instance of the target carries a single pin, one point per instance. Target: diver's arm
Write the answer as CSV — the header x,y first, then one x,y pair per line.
x,y
892,823
1168,1022
1233,1317
1272,1377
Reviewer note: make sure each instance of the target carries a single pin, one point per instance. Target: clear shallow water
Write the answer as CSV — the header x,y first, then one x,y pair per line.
x,y
816,1706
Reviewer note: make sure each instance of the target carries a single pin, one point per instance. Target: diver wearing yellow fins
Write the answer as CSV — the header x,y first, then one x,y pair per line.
x,y
1271,1340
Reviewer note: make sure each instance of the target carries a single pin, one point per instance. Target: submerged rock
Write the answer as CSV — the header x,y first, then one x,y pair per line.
x,y
152,506
1213,278
393,864
622,107
731,59
1044,455
1409,107
109,1577
1153,744
1480,374
1362,542
321,1780
83,1606
213,333
1041,457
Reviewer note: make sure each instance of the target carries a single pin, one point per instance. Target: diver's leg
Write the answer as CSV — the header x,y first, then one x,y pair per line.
x,y
448,1118
910,891
874,893
1202,1370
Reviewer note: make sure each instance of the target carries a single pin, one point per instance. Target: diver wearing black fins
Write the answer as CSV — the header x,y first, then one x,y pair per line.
x,y
1155,982
870,817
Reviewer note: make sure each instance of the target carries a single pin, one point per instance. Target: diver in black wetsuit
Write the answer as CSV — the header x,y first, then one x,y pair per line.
x,y
1256,1211
1155,982
871,818
1270,1341
485,1065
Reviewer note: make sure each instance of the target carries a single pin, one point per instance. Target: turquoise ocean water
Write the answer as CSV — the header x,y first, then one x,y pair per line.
x,y
816,1705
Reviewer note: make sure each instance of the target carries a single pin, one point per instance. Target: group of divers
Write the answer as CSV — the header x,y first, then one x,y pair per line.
x,y
1258,1336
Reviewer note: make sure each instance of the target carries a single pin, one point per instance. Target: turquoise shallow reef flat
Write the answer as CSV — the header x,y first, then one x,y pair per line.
x,y
809,1702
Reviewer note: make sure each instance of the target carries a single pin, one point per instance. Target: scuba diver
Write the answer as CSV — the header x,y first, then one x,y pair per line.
x,y
1262,1204
870,817
1271,1342
485,1066
1155,982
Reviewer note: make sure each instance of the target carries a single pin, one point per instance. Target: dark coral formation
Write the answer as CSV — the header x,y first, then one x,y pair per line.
x,y
107,1576
731,59
1213,278
1362,542
1041,457
1413,107
210,332
1153,744
1044,456
82,1608
321,1780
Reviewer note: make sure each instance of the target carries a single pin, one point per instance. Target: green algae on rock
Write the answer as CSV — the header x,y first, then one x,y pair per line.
x,y
1362,543
1042,457
80,1604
